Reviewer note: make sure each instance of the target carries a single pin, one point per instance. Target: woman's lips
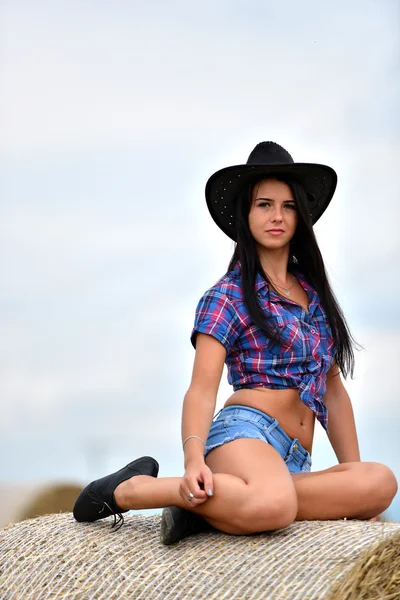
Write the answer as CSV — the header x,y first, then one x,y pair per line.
x,y
275,231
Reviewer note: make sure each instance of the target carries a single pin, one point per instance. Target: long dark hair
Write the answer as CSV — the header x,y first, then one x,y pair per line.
x,y
305,256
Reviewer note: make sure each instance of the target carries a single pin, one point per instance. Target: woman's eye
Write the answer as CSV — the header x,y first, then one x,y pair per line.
x,y
264,204
290,206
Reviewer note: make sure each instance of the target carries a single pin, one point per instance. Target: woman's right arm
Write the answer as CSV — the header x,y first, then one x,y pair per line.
x,y
198,411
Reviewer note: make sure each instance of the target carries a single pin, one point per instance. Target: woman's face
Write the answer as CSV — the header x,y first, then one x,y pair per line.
x,y
273,214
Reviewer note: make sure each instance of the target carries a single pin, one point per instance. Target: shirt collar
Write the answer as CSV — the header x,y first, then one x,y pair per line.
x,y
313,298
260,283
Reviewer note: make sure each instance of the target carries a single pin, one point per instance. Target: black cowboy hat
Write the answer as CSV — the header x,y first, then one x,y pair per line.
x,y
267,160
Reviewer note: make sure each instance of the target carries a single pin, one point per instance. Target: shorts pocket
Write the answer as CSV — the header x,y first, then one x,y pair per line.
x,y
234,425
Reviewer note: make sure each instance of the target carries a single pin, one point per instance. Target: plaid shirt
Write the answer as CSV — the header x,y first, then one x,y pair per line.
x,y
252,359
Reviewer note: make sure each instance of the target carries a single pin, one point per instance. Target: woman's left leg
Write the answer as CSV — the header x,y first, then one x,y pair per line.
x,y
354,490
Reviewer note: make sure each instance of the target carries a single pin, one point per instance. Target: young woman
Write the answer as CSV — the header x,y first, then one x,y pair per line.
x,y
273,319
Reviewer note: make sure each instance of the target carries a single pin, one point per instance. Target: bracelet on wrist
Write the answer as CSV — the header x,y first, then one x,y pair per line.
x,y
191,437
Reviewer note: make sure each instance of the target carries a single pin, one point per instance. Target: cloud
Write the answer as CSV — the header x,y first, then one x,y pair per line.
x,y
120,76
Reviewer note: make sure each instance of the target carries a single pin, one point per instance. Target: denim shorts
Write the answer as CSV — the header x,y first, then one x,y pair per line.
x,y
234,422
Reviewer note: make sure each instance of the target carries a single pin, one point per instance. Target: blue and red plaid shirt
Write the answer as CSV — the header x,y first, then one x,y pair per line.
x,y
252,359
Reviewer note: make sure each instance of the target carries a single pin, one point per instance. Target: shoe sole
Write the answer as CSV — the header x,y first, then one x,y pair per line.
x,y
167,527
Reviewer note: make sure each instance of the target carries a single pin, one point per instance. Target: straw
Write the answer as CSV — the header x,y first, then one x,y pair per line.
x,y
55,557
55,498
374,575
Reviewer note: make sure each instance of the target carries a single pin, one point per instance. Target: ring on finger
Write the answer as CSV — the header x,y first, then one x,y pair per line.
x,y
190,496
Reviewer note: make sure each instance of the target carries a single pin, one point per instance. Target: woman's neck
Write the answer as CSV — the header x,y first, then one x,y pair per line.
x,y
275,263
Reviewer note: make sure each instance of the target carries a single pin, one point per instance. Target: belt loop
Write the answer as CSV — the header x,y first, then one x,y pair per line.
x,y
215,417
273,425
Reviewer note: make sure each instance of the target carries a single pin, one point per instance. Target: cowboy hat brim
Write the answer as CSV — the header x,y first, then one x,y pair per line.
x,y
223,186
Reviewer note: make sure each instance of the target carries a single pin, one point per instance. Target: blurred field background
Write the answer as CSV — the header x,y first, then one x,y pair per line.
x,y
112,117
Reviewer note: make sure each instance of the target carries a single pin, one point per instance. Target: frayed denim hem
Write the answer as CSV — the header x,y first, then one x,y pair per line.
x,y
237,436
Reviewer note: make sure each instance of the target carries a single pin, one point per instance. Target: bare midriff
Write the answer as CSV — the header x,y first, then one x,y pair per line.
x,y
295,418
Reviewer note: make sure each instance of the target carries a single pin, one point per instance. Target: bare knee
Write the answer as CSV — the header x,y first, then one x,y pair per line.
x,y
382,486
266,512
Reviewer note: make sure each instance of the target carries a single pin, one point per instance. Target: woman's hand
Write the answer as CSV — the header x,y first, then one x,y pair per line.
x,y
197,480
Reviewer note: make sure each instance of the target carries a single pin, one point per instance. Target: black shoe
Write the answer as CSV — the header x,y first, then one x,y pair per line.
x,y
177,523
97,501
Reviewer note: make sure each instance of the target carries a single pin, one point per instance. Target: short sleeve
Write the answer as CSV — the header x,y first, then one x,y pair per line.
x,y
216,316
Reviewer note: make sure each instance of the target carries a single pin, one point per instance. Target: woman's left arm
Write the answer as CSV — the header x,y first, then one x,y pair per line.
x,y
342,428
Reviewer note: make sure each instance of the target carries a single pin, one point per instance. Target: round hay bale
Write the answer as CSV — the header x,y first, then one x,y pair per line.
x,y
55,557
375,574
54,498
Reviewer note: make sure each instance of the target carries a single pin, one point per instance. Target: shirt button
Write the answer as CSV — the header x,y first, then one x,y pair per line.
x,y
313,331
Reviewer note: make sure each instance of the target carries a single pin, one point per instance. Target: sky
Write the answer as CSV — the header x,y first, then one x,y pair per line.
x,y
112,118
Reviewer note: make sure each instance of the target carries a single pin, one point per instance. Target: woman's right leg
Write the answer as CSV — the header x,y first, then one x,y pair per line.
x,y
253,490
